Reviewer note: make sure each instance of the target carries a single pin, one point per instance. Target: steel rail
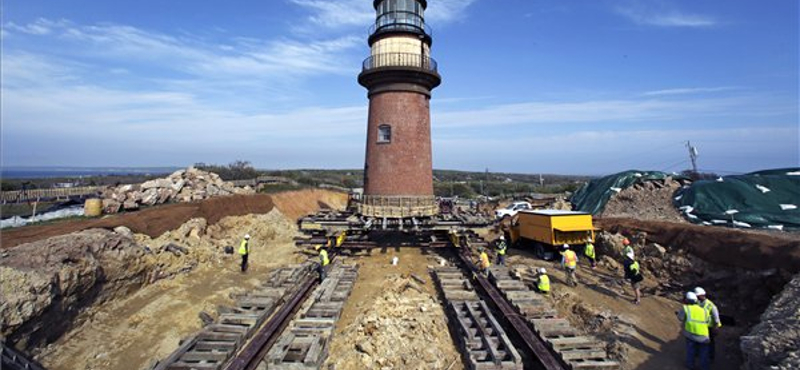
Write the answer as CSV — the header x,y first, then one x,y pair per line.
x,y
256,349
544,357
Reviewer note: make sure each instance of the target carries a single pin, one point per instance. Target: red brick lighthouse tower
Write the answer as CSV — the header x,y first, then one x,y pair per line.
x,y
399,74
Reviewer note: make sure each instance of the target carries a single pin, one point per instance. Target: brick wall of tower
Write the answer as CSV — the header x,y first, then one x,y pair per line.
x,y
403,166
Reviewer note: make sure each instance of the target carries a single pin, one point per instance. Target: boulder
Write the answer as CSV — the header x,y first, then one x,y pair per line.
x,y
111,206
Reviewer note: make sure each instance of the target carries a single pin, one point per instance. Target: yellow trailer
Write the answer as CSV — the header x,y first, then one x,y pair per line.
x,y
553,228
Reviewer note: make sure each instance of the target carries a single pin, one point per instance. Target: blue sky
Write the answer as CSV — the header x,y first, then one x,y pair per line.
x,y
573,87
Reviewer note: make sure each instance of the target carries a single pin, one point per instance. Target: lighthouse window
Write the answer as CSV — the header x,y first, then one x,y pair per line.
x,y
384,134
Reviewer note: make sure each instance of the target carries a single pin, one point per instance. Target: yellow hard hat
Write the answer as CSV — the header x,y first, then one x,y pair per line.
x,y
317,247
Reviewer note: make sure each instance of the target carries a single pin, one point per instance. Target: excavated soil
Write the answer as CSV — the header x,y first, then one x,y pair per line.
x,y
177,274
725,246
651,200
391,320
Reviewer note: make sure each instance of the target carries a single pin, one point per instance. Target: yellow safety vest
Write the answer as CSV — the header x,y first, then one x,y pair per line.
x,y
627,250
501,250
570,259
324,255
485,260
589,250
244,248
709,306
544,283
635,267
697,320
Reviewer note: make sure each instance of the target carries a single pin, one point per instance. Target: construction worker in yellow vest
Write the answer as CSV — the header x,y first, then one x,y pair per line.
x,y
588,250
569,261
695,329
324,261
627,249
713,313
543,281
244,251
483,262
502,247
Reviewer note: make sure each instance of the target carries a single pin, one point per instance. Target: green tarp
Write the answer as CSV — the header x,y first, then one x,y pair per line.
x,y
763,199
593,196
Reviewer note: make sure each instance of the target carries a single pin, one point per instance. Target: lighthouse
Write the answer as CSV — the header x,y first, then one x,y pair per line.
x,y
399,75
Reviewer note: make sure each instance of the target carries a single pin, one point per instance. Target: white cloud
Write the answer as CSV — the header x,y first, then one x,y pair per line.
x,y
239,57
609,111
339,13
689,90
662,14
360,13
444,11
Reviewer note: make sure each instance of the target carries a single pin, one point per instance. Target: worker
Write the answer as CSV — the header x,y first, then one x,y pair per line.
x,y
695,328
569,261
628,248
484,263
543,281
501,250
713,313
634,274
244,251
323,262
590,254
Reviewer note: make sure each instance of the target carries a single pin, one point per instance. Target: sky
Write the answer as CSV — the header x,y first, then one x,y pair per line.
x,y
528,86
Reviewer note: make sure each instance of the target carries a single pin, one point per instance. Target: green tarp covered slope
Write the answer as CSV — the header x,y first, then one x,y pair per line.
x,y
593,196
763,199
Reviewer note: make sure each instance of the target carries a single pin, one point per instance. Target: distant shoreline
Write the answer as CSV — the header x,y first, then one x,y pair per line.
x,y
78,172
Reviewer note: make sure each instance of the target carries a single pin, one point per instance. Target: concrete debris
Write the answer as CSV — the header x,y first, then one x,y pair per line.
x,y
186,185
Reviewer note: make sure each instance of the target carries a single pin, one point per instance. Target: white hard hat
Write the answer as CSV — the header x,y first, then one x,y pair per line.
x,y
542,271
566,246
630,254
502,237
699,291
691,297
247,236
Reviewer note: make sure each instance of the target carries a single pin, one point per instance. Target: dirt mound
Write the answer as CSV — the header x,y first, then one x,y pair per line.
x,y
651,200
724,246
157,220
400,330
773,343
296,204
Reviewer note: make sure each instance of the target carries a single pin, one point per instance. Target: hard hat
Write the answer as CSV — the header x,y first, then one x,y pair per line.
x,y
626,241
317,247
247,236
565,246
691,297
480,249
699,291
502,237
630,255
542,271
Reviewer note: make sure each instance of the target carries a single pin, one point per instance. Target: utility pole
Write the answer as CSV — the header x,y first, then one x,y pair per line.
x,y
541,181
692,155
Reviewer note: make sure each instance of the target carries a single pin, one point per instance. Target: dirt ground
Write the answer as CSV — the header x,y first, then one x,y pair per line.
x,y
131,332
650,331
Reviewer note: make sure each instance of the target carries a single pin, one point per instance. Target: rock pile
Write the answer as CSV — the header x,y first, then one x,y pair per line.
x,y
650,200
402,329
773,343
186,185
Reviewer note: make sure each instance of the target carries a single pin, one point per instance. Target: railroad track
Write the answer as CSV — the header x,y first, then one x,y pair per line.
x,y
11,359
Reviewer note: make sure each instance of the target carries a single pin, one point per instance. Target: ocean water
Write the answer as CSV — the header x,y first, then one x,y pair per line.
x,y
77,172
